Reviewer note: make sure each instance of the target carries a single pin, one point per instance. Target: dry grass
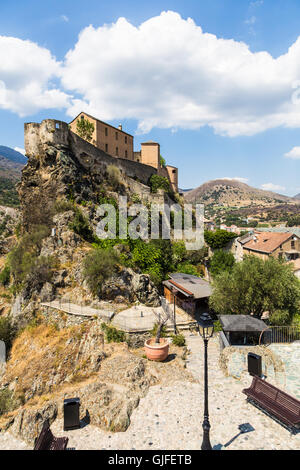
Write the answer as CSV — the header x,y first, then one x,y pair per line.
x,y
44,358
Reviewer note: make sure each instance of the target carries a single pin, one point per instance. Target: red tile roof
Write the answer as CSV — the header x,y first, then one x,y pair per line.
x,y
267,242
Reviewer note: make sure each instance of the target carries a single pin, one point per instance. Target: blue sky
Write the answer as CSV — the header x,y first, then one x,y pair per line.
x,y
218,99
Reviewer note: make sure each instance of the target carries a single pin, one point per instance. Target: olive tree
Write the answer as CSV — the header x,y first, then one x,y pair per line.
x,y
255,286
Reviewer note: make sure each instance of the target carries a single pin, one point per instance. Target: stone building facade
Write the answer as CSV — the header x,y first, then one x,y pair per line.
x,y
110,139
119,144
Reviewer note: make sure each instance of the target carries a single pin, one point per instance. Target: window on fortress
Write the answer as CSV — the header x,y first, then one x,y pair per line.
x,y
106,131
125,139
106,148
117,151
116,136
126,154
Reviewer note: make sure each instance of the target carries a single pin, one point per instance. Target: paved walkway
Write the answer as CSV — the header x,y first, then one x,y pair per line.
x,y
171,417
80,310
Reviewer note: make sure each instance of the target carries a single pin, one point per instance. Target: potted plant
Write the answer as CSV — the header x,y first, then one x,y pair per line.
x,y
157,348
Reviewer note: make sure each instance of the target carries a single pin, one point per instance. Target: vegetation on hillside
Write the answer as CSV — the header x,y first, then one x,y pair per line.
x,y
8,193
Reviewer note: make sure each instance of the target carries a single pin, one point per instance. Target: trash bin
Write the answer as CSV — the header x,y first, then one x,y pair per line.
x,y
254,365
71,414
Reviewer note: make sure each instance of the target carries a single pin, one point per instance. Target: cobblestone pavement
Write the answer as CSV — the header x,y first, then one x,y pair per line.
x,y
171,417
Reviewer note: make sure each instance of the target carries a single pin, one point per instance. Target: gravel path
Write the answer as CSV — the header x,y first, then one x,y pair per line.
x,y
171,417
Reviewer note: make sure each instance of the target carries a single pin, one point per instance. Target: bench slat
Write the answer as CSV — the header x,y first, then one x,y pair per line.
x,y
277,402
46,440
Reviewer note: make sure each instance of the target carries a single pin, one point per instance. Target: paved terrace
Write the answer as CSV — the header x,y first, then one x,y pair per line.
x,y
137,319
171,417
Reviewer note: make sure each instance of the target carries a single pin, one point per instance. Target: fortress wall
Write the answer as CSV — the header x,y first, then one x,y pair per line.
x,y
81,147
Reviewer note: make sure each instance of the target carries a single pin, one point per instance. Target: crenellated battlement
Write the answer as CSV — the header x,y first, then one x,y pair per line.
x,y
48,132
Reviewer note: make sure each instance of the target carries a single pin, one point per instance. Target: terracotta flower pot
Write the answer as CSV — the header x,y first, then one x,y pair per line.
x,y
157,352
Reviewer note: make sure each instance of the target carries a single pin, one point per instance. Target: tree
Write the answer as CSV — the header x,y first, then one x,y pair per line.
x,y
221,261
218,239
255,286
159,182
85,129
162,161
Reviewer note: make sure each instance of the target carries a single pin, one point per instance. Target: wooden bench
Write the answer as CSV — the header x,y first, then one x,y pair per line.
x,y
280,405
46,440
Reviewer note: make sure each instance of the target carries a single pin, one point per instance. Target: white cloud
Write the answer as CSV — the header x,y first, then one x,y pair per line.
x,y
26,71
251,20
19,149
236,178
258,3
272,187
168,73
164,73
64,18
294,153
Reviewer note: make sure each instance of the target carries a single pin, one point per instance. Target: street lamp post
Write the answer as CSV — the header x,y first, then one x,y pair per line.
x,y
206,330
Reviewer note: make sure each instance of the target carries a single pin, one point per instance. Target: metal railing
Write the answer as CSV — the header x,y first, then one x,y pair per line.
x,y
280,334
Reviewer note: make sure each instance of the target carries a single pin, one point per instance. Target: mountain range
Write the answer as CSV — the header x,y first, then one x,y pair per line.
x,y
12,155
233,193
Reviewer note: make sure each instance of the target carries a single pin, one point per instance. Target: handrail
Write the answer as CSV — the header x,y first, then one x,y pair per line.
x,y
283,334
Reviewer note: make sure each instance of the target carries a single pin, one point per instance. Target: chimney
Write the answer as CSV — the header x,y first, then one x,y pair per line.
x,y
120,127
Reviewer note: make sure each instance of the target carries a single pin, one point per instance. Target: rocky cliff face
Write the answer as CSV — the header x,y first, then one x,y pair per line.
x,y
55,173
109,378
63,167
51,359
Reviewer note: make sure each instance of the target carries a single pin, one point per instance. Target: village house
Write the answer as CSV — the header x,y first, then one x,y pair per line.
x,y
281,245
117,143
187,292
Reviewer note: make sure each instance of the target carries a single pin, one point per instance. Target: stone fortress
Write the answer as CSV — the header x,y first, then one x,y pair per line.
x,y
119,144
52,142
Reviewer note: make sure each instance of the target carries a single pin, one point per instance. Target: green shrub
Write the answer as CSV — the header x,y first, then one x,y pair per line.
x,y
5,276
81,226
23,256
178,340
7,331
159,182
41,271
217,326
187,268
112,335
7,402
99,265
62,205
114,177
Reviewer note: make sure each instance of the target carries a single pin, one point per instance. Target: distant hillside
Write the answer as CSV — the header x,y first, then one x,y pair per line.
x,y
297,197
11,164
233,193
12,155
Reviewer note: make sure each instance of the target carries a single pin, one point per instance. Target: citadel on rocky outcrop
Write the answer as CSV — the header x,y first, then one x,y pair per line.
x,y
108,144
